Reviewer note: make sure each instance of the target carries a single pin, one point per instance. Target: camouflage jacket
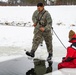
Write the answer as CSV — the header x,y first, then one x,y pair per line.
x,y
46,20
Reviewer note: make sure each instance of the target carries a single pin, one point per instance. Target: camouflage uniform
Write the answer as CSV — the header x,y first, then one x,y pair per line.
x,y
45,22
41,43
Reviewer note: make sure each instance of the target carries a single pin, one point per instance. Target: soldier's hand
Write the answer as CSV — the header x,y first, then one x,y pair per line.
x,y
42,29
34,25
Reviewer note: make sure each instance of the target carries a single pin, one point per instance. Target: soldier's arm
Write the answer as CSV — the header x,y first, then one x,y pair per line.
x,y
34,17
49,22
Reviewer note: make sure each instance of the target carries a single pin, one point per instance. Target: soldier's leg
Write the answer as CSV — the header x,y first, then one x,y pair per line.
x,y
48,41
41,43
36,42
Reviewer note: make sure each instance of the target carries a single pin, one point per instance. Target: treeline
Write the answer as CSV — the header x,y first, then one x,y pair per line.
x,y
24,2
34,2
65,2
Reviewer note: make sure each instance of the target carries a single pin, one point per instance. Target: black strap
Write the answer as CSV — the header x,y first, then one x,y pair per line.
x,y
40,18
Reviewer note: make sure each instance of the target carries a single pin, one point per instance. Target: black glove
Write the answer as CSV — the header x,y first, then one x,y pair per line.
x,y
68,59
63,58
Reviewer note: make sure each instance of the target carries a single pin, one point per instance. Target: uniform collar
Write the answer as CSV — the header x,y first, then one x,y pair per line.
x,y
42,11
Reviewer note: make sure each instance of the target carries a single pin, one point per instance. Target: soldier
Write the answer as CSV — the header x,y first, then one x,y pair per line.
x,y
43,24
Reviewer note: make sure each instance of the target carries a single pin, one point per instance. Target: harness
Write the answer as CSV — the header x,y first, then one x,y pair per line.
x,y
38,20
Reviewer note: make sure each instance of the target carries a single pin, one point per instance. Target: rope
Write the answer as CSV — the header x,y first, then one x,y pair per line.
x,y
58,38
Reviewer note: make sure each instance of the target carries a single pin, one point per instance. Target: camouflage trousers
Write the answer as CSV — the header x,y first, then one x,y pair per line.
x,y
47,36
41,43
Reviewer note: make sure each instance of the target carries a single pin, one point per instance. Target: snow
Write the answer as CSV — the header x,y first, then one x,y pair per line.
x,y
14,39
63,72
4,0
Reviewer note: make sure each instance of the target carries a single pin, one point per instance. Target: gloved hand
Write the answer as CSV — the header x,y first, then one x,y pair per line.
x,y
63,58
68,59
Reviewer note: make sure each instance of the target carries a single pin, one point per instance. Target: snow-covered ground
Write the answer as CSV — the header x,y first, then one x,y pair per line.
x,y
14,39
64,19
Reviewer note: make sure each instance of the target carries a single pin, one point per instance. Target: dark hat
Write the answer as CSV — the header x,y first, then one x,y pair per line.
x,y
40,4
71,34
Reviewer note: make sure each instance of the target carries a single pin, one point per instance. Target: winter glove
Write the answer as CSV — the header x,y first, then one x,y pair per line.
x,y
63,58
68,59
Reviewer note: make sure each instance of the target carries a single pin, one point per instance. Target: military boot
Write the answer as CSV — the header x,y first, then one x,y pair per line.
x,y
31,54
49,57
